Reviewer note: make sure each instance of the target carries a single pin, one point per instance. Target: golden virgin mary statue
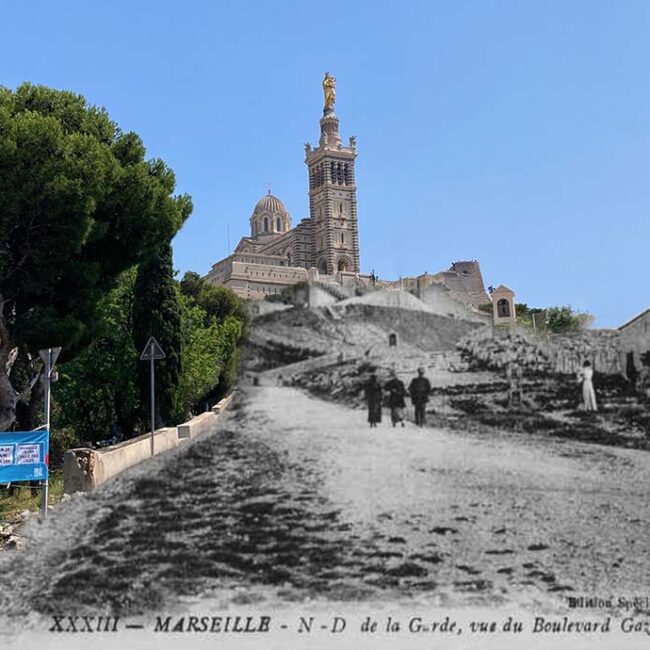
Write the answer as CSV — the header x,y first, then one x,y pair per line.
x,y
330,93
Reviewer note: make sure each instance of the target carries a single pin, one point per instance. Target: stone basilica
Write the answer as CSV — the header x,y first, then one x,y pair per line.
x,y
324,246
323,249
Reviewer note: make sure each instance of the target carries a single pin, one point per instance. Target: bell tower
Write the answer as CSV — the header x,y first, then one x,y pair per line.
x,y
333,193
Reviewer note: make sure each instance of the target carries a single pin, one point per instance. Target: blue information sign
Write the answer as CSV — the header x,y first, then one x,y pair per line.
x,y
24,456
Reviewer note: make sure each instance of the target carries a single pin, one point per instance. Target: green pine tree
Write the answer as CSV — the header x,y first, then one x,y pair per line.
x,y
157,313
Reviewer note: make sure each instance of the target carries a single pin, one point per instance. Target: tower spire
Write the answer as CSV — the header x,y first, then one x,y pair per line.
x,y
333,193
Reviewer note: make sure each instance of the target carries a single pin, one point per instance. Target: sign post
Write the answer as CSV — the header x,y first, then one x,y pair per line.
x,y
49,357
24,456
151,352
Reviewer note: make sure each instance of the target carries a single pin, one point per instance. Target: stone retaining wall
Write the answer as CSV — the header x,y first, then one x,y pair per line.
x,y
84,469
608,350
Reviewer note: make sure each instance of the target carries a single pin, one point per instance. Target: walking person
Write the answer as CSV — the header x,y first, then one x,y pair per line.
x,y
373,394
585,376
419,390
396,402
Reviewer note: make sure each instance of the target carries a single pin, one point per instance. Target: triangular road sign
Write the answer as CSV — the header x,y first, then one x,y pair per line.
x,y
152,350
53,353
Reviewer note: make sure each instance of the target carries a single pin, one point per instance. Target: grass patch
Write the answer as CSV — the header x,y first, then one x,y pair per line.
x,y
24,498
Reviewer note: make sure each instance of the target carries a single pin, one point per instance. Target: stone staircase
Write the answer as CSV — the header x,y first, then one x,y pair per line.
x,y
333,290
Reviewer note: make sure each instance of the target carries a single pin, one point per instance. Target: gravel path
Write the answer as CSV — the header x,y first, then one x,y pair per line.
x,y
294,498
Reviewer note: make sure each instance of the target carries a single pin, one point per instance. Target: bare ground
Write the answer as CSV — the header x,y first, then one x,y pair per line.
x,y
296,499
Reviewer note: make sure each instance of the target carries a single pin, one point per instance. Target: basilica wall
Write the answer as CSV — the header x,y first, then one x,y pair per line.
x,y
280,245
303,253
255,281
294,246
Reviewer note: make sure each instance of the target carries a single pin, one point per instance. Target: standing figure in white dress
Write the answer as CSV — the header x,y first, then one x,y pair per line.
x,y
585,376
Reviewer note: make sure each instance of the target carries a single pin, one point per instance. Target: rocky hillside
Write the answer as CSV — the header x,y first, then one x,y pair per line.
x,y
332,351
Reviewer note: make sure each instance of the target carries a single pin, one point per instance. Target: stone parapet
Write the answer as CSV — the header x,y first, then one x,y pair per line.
x,y
223,404
196,426
85,469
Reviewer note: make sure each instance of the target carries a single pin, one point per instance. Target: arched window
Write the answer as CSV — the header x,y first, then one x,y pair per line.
x,y
343,265
503,308
343,238
323,267
289,259
266,224
340,208
278,225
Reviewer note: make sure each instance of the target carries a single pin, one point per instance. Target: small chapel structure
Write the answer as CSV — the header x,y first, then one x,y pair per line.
x,y
503,304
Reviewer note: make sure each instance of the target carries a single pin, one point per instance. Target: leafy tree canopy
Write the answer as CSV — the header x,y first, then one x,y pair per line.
x,y
217,301
96,395
224,310
564,319
79,204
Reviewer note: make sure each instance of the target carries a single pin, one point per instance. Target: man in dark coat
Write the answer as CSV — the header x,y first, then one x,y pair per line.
x,y
373,394
396,394
419,390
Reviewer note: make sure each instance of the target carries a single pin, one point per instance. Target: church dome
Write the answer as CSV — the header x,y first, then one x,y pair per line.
x,y
270,204
269,217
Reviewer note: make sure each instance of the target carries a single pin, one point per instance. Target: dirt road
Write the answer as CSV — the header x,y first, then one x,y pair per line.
x,y
294,498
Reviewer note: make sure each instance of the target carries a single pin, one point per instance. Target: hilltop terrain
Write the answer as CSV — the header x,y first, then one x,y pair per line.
x,y
331,351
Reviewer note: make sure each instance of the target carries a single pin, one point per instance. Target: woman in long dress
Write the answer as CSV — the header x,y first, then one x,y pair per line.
x,y
373,395
585,376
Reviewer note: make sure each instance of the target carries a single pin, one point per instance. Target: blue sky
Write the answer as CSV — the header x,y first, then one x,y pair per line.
x,y
515,133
